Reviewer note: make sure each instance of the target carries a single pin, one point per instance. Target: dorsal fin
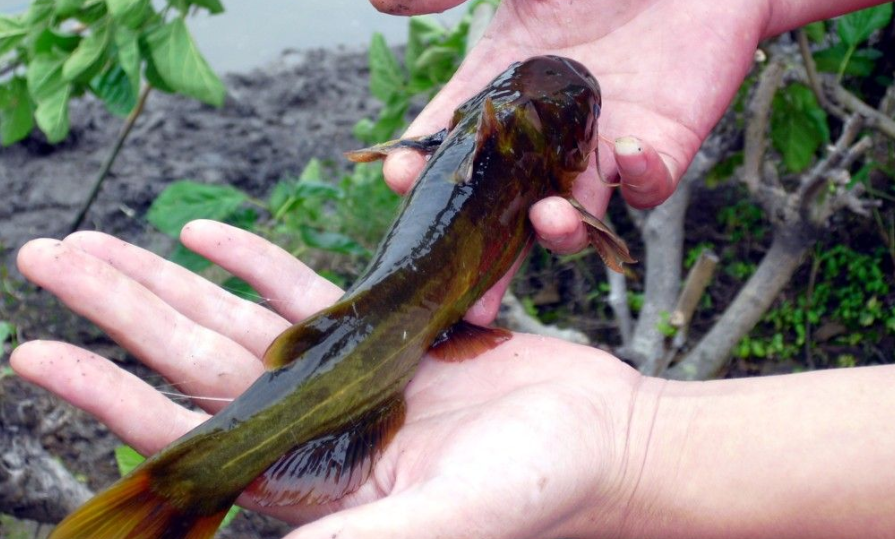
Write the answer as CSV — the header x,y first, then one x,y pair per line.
x,y
464,341
333,465
611,248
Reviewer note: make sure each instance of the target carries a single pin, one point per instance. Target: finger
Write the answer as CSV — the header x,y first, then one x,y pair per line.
x,y
416,7
292,289
484,311
646,178
134,411
558,225
249,324
197,360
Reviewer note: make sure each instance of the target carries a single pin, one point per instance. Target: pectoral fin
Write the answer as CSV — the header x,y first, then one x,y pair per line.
x,y
608,245
331,466
425,144
464,341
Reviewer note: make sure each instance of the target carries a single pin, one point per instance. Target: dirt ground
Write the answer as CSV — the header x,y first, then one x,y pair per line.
x,y
274,120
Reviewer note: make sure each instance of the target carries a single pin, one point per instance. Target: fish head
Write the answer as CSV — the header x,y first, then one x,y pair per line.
x,y
566,98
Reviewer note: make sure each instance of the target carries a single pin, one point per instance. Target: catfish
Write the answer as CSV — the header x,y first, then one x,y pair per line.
x,y
309,429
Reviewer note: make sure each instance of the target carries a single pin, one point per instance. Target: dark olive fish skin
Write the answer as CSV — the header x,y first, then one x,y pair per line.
x,y
336,379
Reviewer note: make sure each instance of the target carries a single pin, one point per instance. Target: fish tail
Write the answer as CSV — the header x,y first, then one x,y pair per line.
x,y
129,509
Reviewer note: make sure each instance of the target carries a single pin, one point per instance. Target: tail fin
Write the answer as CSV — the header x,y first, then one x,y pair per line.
x,y
130,510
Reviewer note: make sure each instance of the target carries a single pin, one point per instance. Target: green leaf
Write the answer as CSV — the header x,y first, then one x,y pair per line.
x,y
798,126
386,76
312,171
114,88
188,259
127,459
89,51
423,31
240,288
16,111
122,9
129,57
182,66
857,26
12,32
231,514
7,331
816,31
185,200
52,114
154,78
49,42
39,13
860,63
45,75
67,8
213,6
437,62
330,241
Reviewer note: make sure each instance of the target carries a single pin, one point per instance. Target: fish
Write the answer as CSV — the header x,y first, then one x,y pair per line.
x,y
311,427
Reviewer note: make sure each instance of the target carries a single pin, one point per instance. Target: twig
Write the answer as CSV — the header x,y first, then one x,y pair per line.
x,y
698,279
756,129
813,77
875,118
110,159
513,316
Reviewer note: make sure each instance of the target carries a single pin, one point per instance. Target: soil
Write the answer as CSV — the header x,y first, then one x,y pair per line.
x,y
274,120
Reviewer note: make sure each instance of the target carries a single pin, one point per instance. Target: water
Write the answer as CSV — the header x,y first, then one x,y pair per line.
x,y
249,34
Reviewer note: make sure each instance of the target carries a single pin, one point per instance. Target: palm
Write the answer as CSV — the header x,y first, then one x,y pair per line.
x,y
465,421
667,68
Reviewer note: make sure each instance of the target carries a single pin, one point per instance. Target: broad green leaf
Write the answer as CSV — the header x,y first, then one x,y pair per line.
x,y
312,171
423,31
213,6
7,330
16,111
386,76
89,51
330,241
153,77
857,26
182,66
129,57
798,126
860,63
45,75
52,114
127,459
50,41
816,31
121,9
66,8
12,32
92,11
437,63
231,514
188,259
185,200
114,88
39,13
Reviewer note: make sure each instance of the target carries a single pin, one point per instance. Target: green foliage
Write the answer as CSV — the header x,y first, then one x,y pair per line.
x,y
185,200
845,57
798,126
432,55
850,292
127,459
61,49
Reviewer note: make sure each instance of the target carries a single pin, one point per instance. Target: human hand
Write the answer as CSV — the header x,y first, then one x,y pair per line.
x,y
667,69
515,443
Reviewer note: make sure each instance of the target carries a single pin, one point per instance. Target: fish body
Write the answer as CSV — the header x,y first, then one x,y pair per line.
x,y
308,430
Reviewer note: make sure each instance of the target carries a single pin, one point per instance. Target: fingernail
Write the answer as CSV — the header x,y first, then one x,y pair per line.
x,y
632,160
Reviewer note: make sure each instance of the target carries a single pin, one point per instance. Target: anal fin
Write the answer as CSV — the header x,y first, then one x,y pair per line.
x,y
426,144
611,248
464,341
333,465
